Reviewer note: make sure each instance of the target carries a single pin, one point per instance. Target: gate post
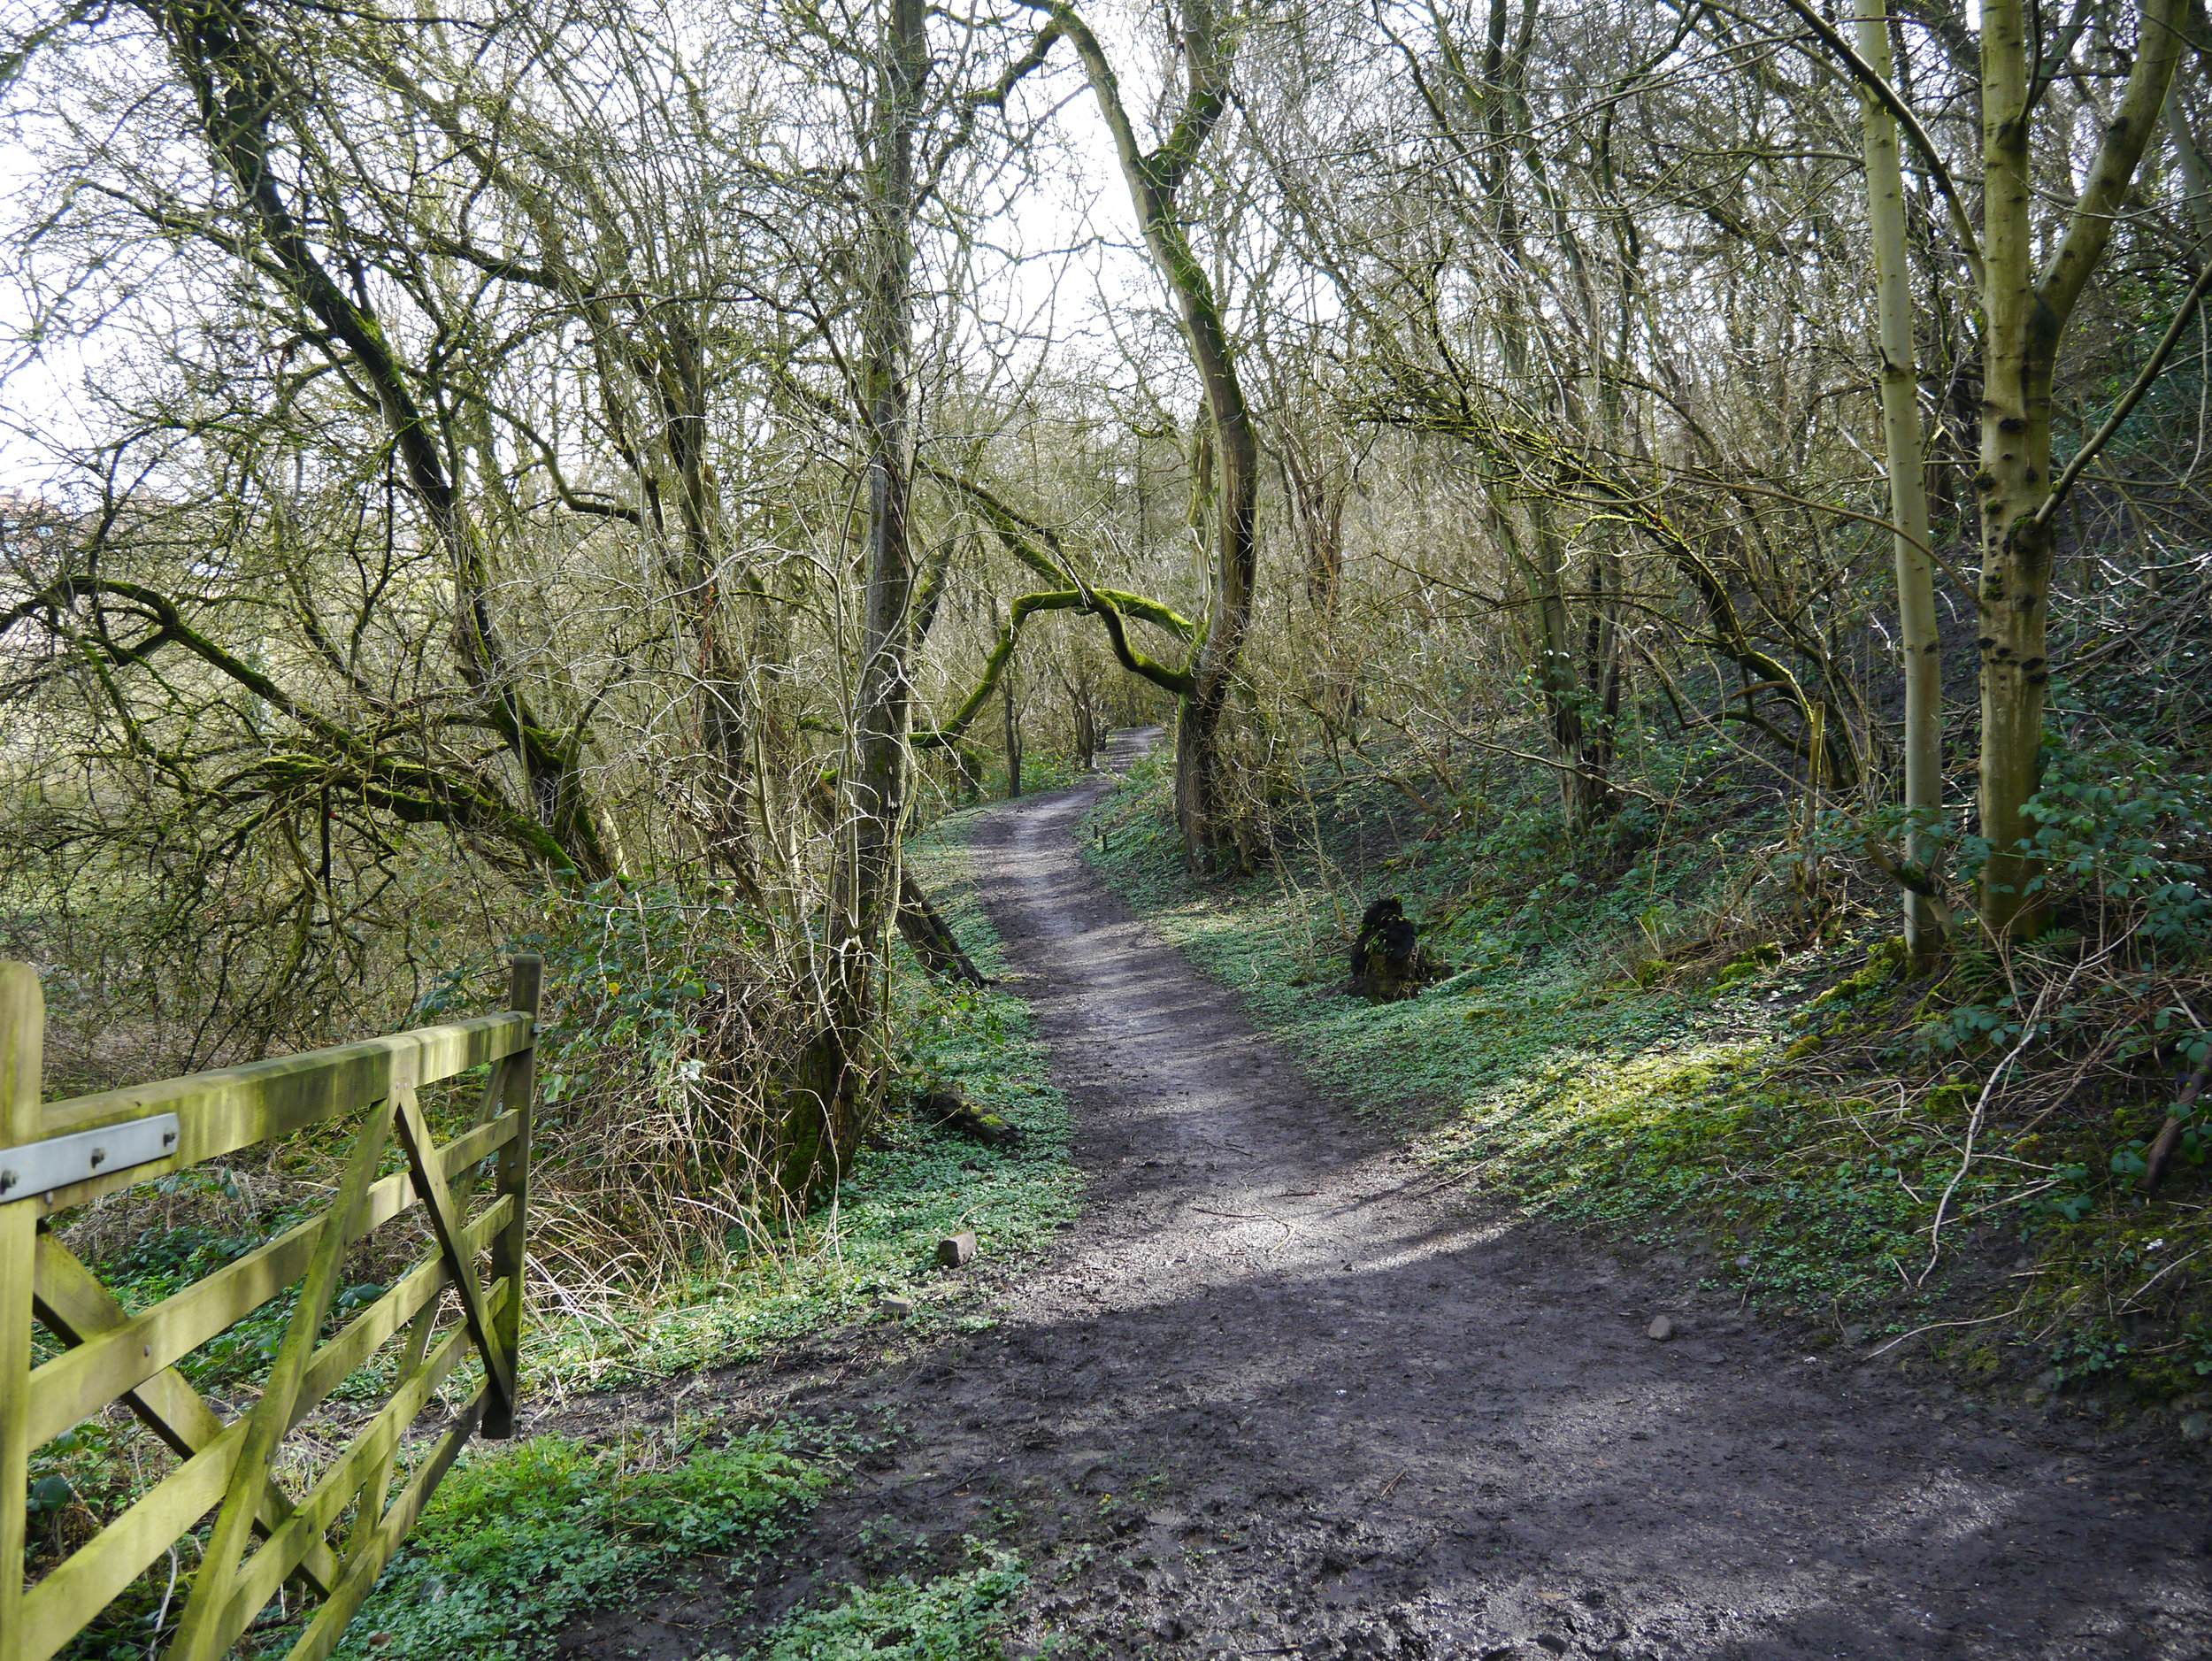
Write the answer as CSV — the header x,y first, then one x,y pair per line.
x,y
22,1042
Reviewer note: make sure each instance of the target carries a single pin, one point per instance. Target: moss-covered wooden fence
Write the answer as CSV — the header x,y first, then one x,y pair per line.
x,y
62,1154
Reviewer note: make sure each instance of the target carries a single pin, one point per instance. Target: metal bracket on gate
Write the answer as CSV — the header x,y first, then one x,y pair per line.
x,y
40,1167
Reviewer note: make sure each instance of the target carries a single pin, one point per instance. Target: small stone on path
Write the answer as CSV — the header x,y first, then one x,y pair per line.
x,y
892,1303
1662,1329
954,1250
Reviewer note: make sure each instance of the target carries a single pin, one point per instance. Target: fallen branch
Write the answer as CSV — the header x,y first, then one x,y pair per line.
x,y
2169,1136
932,937
1979,1321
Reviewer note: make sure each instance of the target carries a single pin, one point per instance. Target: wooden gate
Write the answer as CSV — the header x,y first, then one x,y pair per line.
x,y
66,1153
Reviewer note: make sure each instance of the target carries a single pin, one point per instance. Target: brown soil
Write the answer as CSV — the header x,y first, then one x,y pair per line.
x,y
1342,1408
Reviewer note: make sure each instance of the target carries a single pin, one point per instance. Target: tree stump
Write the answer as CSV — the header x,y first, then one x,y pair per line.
x,y
1387,961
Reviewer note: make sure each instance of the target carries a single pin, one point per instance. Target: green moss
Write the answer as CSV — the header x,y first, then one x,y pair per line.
x,y
1883,964
1745,965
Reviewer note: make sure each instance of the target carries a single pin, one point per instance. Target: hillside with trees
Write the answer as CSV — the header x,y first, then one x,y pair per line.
x,y
1703,505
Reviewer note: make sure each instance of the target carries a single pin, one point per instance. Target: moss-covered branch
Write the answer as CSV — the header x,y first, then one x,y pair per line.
x,y
333,755
1020,612
1038,547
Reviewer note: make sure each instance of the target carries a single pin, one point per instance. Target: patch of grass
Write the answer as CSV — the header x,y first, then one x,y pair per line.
x,y
954,1617
1042,771
877,1233
521,1539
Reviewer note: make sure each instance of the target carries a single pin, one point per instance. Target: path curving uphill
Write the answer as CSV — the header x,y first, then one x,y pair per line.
x,y
1345,1409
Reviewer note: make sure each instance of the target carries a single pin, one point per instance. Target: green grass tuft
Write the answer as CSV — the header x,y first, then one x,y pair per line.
x,y
954,1617
521,1539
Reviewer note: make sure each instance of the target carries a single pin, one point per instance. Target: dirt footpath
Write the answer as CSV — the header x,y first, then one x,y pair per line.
x,y
1340,1409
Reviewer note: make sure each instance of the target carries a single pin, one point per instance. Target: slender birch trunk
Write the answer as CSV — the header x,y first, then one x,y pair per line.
x,y
1927,920
2196,177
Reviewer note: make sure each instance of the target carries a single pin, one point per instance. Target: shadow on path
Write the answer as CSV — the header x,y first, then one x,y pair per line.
x,y
1285,1394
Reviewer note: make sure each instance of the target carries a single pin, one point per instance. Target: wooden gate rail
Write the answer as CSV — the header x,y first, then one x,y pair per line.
x,y
63,1154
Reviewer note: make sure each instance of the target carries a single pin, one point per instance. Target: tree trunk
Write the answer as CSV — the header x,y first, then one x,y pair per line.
x,y
1201,807
2025,317
1154,179
1013,737
1086,727
2022,342
1539,554
1533,535
1317,504
719,694
2196,177
1927,921
867,894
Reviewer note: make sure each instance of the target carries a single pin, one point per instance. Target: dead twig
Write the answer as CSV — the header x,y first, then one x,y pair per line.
x,y
1979,1321
2029,1030
2135,1297
2169,1136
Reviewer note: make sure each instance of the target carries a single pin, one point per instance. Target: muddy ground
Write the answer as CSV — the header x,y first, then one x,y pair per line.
x,y
1284,1393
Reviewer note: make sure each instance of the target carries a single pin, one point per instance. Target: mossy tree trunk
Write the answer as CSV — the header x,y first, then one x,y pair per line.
x,y
1155,179
872,820
2025,315
1927,920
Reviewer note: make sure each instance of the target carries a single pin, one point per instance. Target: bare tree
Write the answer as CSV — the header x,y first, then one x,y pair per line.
x,y
1927,920
1155,178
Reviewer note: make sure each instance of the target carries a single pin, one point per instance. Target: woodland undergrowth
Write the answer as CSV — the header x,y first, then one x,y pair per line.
x,y
1691,1030
532,1533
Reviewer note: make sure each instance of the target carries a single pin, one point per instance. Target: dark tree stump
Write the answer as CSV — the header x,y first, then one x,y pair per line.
x,y
1387,961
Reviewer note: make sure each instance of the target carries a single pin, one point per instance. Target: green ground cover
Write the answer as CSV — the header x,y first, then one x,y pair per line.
x,y
877,1233
951,1618
525,1539
1638,1041
521,1539
525,1536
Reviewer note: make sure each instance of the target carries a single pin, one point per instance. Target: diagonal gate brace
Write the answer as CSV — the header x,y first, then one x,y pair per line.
x,y
445,1221
70,1300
